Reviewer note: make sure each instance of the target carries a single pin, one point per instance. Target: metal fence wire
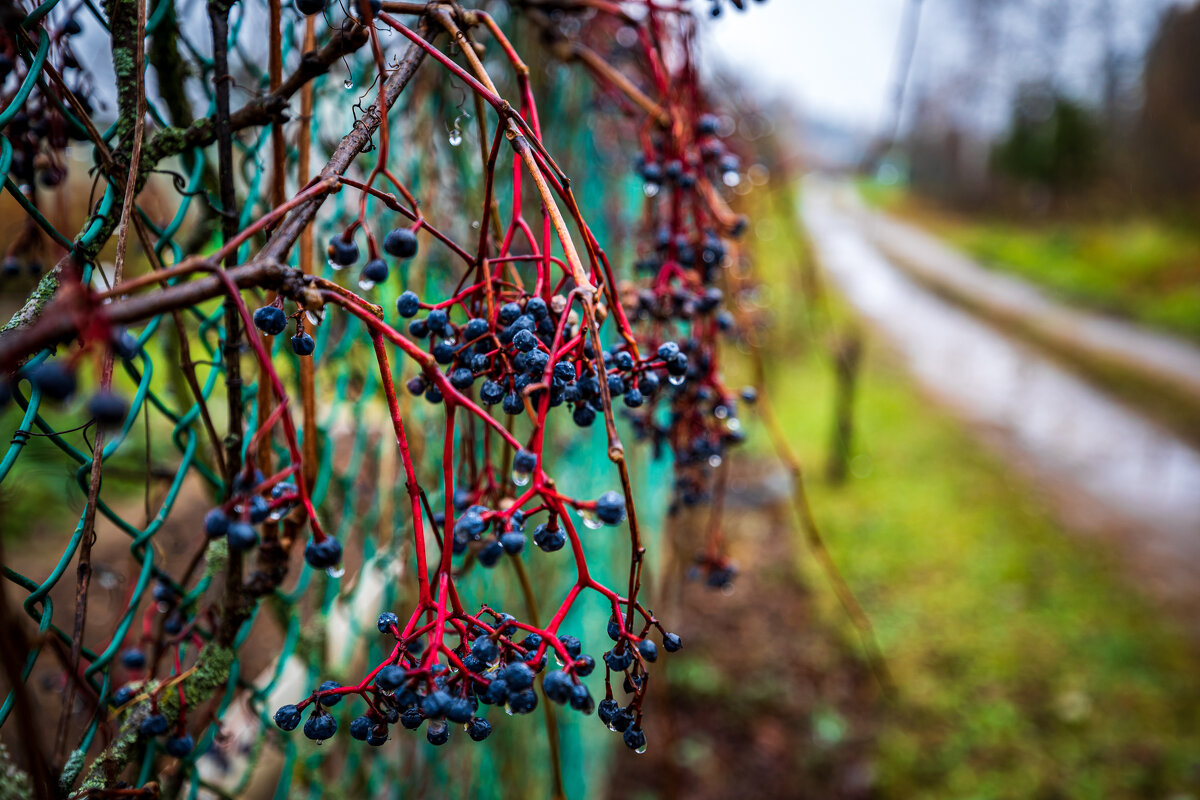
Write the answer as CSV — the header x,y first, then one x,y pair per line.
x,y
232,120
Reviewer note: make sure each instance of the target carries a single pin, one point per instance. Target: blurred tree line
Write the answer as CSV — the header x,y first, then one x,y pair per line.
x,y
1055,107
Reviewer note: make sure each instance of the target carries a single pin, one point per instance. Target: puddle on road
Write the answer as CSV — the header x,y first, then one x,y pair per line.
x,y
1066,427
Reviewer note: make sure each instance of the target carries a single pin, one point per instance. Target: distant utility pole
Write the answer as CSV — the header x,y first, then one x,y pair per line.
x,y
906,46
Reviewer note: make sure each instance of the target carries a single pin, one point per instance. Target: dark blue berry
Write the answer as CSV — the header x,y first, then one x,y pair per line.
x,y
401,243
310,7
622,720
270,320
584,664
303,344
648,649
123,695
475,328
525,341
331,699
360,728
323,554
496,692
438,733
518,676
216,523
408,304
479,729
490,554
583,415
549,539
461,378
55,380
607,710
460,710
133,658
485,649
634,738
375,271
179,746
320,725
513,542
260,509
411,718
572,645
491,393
610,508
509,313
557,686
581,699
513,404
435,704
524,461
107,408
391,678
523,702
287,717
387,621
241,536
154,725
342,252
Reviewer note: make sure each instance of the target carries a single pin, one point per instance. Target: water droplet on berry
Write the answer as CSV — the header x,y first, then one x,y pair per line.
x,y
475,224
313,317
520,477
348,83
676,380
366,285
590,520
731,178
714,461
455,137
333,265
733,424
640,750
721,412
650,189
336,572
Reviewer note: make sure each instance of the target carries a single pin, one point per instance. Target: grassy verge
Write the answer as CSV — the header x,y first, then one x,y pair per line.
x,y
1143,269
1026,666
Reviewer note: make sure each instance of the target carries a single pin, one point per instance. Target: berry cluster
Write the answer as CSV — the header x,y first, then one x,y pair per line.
x,y
489,667
40,131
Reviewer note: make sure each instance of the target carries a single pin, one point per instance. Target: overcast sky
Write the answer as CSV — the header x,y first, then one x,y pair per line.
x,y
834,58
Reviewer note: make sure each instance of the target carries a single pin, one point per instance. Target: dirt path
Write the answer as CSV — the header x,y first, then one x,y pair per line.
x,y
764,701
1111,469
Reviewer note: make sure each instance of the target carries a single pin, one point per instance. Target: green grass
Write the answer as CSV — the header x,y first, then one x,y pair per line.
x,y
1142,269
1027,667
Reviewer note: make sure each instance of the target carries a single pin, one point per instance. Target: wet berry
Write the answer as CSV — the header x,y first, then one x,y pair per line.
x,y
303,344
408,305
287,717
401,243
241,536
154,725
320,725
323,554
179,746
